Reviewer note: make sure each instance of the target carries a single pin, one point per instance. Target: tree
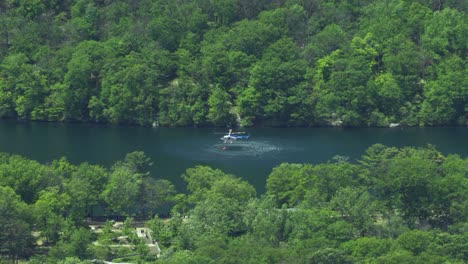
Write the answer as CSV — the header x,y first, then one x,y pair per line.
x,y
329,178
446,96
331,38
200,180
248,105
203,181
50,210
250,9
369,248
26,177
251,37
137,162
376,161
183,103
130,87
74,243
219,201
16,240
387,93
82,80
451,201
307,229
218,215
122,190
411,179
171,20
162,230
448,245
131,190
83,188
416,241
279,69
282,183
102,249
24,87
84,20
266,222
443,34
357,207
219,112
154,195
220,13
223,65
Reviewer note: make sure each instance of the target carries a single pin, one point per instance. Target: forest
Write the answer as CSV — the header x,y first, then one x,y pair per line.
x,y
392,205
235,62
198,63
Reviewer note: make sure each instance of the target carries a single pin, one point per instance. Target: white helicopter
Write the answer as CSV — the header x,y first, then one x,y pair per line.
x,y
234,136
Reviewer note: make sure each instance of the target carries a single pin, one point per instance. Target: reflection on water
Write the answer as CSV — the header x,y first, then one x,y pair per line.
x,y
252,148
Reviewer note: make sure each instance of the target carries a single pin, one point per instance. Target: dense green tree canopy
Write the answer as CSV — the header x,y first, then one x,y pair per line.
x,y
16,240
235,62
394,205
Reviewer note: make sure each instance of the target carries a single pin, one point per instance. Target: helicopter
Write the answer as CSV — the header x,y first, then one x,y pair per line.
x,y
234,136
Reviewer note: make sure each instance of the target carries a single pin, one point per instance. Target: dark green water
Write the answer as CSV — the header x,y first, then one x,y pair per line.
x,y
173,150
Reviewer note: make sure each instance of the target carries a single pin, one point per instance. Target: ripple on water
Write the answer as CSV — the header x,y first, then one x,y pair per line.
x,y
248,148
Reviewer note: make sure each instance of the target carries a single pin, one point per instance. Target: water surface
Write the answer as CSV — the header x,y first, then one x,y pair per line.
x,y
173,150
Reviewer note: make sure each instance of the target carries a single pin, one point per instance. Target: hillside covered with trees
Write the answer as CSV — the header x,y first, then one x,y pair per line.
x,y
393,205
228,62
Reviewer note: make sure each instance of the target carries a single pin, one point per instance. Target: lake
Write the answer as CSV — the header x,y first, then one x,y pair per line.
x,y
173,150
